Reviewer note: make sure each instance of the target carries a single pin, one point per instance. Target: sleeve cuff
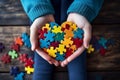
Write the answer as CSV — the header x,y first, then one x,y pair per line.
x,y
82,9
40,10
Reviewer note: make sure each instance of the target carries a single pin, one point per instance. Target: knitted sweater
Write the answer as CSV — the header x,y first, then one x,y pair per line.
x,y
37,8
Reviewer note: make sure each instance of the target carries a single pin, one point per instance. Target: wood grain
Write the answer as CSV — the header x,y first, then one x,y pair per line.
x,y
13,22
12,13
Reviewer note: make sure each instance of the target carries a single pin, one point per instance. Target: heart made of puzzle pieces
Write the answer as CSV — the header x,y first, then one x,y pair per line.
x,y
60,41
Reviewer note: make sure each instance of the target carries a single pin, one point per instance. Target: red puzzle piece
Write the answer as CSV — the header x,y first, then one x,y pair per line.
x,y
41,33
29,62
68,52
15,47
23,58
54,44
78,42
102,51
6,58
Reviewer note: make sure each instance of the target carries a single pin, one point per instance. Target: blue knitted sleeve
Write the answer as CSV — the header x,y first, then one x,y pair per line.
x,y
37,8
87,8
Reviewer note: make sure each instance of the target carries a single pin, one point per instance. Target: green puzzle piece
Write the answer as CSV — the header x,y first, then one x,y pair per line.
x,y
13,54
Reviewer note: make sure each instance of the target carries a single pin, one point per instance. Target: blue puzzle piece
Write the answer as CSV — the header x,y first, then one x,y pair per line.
x,y
26,40
60,57
52,24
97,46
1,47
49,36
103,42
59,36
110,42
44,43
14,71
95,43
19,76
25,36
78,33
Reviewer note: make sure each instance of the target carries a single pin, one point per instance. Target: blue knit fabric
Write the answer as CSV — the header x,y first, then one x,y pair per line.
x,y
37,8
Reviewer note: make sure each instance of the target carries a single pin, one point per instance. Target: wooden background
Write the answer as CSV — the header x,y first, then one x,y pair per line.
x,y
13,22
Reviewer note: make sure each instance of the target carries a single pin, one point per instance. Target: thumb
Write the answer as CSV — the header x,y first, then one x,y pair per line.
x,y
33,38
87,35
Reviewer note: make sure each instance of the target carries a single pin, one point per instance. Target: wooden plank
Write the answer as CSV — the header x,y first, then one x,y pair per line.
x,y
11,13
95,62
109,14
64,76
7,76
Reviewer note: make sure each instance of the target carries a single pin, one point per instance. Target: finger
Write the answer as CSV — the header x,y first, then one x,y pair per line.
x,y
87,35
47,57
56,63
64,63
75,54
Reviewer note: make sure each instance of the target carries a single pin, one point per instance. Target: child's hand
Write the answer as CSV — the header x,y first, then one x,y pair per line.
x,y
85,25
37,24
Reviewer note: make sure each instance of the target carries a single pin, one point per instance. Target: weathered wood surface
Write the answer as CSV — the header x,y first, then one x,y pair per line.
x,y
62,76
13,22
12,13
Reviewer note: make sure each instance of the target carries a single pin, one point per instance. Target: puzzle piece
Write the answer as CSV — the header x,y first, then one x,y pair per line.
x,y
19,41
90,49
73,47
59,36
6,58
78,42
29,70
54,44
66,24
60,57
19,76
41,33
56,29
69,52
23,58
26,40
95,43
44,43
15,47
103,42
68,33
61,49
14,71
78,33
52,24
110,42
97,46
52,52
1,47
102,51
67,42
49,36
47,26
74,27
29,62
13,54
